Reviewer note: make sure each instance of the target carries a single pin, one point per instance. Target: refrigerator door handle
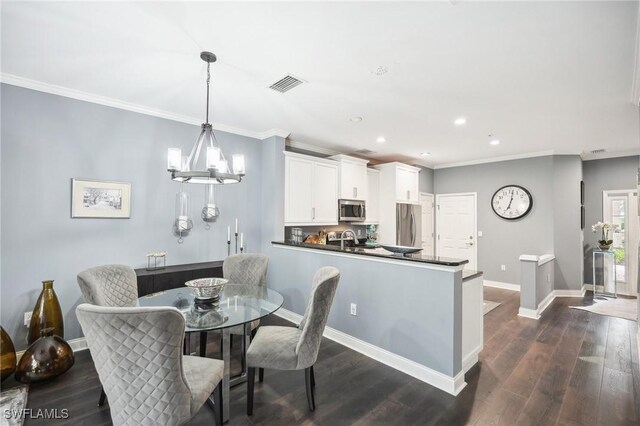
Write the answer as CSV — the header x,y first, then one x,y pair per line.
x,y
413,229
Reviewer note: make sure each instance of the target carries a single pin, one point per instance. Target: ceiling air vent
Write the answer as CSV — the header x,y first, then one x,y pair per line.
x,y
365,151
597,151
285,84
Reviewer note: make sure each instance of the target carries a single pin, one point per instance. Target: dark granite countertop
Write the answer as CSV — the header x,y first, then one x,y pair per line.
x,y
469,274
380,252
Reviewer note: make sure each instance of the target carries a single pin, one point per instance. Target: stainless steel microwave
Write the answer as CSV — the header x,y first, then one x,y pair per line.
x,y
351,211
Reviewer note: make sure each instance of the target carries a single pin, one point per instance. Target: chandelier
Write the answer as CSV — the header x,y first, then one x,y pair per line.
x,y
212,168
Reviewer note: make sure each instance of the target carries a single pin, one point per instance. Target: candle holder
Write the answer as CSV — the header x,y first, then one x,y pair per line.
x,y
156,261
236,251
228,247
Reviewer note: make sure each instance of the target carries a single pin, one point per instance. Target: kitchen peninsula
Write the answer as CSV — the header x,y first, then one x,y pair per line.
x,y
419,314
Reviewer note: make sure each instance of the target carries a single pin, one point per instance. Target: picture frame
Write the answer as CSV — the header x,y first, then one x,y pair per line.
x,y
582,217
100,199
582,192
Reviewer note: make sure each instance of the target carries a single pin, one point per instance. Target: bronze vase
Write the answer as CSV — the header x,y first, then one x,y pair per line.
x,y
7,355
46,314
48,357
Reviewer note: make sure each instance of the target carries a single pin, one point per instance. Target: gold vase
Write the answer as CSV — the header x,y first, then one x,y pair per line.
x,y
48,357
7,355
46,314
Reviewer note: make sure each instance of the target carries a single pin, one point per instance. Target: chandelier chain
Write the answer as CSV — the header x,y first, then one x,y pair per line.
x,y
208,81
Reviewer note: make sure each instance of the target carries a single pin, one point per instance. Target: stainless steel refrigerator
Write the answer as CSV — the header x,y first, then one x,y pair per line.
x,y
408,225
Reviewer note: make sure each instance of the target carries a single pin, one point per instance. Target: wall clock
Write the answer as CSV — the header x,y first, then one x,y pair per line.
x,y
511,202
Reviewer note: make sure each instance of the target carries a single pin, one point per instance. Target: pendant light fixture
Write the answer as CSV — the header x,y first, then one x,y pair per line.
x,y
212,168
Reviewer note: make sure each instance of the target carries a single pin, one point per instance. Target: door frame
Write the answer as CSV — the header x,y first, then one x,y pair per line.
x,y
475,221
628,286
433,216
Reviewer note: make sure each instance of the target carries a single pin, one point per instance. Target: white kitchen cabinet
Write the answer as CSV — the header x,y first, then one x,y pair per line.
x,y
407,184
373,197
352,175
311,191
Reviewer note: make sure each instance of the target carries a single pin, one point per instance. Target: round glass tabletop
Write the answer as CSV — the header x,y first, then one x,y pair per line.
x,y
238,304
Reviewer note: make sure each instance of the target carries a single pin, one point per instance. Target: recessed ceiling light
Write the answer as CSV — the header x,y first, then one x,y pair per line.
x,y
381,139
495,142
425,154
356,119
461,121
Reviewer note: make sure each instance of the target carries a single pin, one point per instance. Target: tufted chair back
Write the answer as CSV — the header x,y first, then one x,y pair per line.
x,y
250,269
109,285
325,283
138,355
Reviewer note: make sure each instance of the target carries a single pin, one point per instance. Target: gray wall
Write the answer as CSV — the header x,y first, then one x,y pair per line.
x,y
426,179
599,176
503,241
567,234
46,141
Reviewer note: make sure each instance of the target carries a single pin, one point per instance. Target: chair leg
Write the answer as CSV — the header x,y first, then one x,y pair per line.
x,y
313,379
103,397
261,375
217,397
310,396
251,378
203,343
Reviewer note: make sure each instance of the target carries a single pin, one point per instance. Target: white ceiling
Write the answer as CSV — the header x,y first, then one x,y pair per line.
x,y
540,76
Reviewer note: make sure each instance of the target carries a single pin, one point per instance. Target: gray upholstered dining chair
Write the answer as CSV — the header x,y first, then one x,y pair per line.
x,y
294,348
109,285
138,355
249,269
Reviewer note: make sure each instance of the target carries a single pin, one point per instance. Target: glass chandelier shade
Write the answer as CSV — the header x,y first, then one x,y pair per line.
x,y
206,164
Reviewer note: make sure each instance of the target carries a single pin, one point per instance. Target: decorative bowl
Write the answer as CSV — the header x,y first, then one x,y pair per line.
x,y
401,250
207,288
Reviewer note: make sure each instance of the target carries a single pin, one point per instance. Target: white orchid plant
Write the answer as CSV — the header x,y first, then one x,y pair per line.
x,y
604,228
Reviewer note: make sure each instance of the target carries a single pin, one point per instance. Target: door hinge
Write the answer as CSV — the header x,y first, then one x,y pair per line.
x,y
438,237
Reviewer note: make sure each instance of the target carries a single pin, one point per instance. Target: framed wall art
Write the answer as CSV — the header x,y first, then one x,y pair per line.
x,y
100,199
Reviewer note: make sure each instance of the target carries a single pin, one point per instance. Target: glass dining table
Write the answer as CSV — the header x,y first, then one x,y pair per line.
x,y
238,305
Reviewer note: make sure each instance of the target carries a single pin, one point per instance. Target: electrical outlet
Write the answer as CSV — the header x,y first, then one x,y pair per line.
x,y
503,267
359,232
354,309
27,318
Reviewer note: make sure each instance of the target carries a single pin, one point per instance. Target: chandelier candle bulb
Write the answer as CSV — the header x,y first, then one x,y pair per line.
x,y
213,157
183,223
241,240
174,159
228,234
238,164
236,226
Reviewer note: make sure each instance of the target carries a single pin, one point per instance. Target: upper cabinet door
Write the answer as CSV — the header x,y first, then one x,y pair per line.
x,y
352,177
373,197
325,193
298,200
407,184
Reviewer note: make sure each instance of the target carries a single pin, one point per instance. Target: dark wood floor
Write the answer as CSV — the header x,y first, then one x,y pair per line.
x,y
570,368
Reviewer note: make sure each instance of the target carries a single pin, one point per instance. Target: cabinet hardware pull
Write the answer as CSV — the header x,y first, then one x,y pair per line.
x,y
313,213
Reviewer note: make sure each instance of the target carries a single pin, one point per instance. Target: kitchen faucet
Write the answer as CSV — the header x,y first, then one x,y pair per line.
x,y
355,239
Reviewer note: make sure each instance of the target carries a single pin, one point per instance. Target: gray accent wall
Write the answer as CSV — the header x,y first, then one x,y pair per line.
x,y
503,241
426,179
567,234
603,175
47,140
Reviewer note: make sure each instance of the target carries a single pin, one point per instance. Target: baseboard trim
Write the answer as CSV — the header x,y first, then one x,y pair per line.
x,y
451,385
77,345
498,284
471,359
542,306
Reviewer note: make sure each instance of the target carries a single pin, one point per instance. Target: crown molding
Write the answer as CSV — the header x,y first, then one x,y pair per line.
x,y
586,156
66,92
311,148
495,159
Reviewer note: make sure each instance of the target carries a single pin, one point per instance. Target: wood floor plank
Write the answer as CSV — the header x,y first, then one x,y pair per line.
x,y
616,405
525,375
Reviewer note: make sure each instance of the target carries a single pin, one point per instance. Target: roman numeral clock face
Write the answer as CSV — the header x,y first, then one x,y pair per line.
x,y
511,202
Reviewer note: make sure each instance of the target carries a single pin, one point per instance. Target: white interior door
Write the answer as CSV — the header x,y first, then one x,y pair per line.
x,y
621,208
428,240
456,227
